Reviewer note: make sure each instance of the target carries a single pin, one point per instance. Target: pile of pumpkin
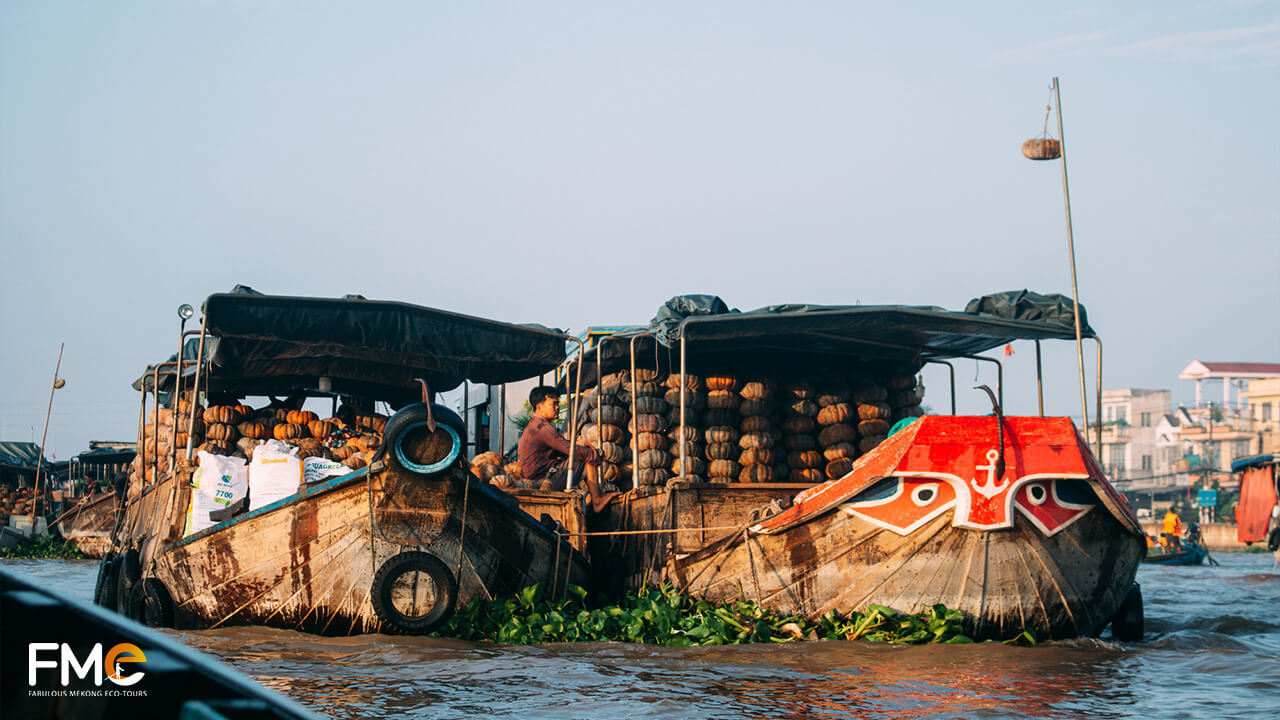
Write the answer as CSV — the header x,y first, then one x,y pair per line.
x,y
237,430
17,502
488,467
754,430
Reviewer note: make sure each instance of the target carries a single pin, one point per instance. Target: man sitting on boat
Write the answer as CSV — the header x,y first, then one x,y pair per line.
x,y
544,451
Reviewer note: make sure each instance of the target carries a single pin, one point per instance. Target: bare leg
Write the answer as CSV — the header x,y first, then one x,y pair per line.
x,y
598,500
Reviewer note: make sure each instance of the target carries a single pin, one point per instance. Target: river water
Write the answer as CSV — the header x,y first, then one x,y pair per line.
x,y
1212,650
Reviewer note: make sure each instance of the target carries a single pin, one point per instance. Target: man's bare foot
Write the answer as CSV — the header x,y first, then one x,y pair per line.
x,y
598,504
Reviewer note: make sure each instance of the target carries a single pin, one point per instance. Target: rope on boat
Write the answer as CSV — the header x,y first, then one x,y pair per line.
x,y
653,532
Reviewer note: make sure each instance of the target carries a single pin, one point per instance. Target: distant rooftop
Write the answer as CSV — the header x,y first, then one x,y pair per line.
x,y
1199,370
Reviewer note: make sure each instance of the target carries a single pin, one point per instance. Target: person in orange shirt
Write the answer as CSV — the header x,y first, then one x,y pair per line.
x,y
1171,533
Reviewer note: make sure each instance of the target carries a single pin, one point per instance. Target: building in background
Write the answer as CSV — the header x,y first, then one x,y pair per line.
x,y
1263,398
1130,423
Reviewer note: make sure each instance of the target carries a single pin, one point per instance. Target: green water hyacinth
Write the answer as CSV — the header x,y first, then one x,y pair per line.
x,y
664,616
42,550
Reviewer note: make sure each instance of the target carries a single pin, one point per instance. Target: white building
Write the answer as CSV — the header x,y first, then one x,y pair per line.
x,y
1131,445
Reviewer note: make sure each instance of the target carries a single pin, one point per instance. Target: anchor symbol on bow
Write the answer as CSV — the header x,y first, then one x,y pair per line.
x,y
990,489
995,458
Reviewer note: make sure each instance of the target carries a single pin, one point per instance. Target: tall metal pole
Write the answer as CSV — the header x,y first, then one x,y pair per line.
x,y
1071,246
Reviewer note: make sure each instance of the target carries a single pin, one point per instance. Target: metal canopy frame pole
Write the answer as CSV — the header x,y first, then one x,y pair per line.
x,y
573,412
684,462
1071,248
1098,438
1039,380
635,442
952,370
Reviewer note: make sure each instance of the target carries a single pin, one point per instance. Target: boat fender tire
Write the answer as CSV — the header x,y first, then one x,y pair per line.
x,y
1128,623
127,575
150,604
110,585
104,572
396,576
1273,539
407,446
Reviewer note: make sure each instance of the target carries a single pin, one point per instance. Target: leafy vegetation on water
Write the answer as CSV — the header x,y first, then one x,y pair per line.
x,y
663,616
44,548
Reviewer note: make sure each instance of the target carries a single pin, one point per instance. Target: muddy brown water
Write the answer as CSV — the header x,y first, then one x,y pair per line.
x,y
1211,650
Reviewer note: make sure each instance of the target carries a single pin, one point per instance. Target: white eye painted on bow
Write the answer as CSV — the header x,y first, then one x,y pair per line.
x,y
925,494
1037,493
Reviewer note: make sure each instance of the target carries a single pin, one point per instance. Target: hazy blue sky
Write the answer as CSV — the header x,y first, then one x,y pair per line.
x,y
576,163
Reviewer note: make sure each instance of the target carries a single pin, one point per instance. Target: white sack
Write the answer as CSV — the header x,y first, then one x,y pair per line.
x,y
274,474
315,469
219,481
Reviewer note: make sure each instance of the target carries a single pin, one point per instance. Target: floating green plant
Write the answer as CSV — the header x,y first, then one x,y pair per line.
x,y
664,616
44,548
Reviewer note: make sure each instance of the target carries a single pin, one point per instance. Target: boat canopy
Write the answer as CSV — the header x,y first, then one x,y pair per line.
x,y
276,345
815,335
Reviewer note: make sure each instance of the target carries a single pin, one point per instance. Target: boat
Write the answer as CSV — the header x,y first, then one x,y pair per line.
x,y
391,543
89,522
1190,549
1008,519
161,677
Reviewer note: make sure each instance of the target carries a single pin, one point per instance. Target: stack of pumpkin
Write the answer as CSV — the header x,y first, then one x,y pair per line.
x,y
758,457
695,401
838,434
804,460
608,433
873,414
648,427
722,419
158,439
239,429
905,396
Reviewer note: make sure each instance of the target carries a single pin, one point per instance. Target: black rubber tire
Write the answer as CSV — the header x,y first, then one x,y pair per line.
x,y
107,597
392,570
1273,539
408,417
104,569
1129,622
150,604
130,571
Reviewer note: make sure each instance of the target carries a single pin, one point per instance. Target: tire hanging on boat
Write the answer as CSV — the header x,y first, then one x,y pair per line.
x,y
150,604
1127,625
410,446
394,592
104,588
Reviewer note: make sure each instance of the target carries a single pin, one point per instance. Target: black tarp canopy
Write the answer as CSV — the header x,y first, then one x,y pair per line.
x,y
814,337
276,345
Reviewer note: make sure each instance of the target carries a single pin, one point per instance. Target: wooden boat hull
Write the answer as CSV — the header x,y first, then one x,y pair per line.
x,y
332,558
88,526
1192,555
1046,545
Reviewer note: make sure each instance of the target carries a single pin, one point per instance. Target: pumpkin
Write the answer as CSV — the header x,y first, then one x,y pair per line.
x,y
610,415
832,414
648,375
914,411
871,411
811,476
365,442
758,390
375,422
247,445
244,411
799,425
300,417
652,476
648,423
840,450
873,427
219,414
642,389
692,399
805,459
723,469
832,393
757,456
691,382
688,432
590,434
800,442
288,431
501,482
723,400
610,433
721,382
653,459
609,472
222,433
651,441
256,429
755,407
691,449
218,448
691,417
613,452
839,468
723,451
756,474
717,416
309,447
802,390
755,423
756,440
904,398
867,444
870,394
322,428
721,433
803,408
692,466
900,382
512,470
649,405
838,433
356,461
1042,148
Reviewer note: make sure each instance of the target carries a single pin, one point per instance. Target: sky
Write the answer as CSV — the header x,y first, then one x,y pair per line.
x,y
578,163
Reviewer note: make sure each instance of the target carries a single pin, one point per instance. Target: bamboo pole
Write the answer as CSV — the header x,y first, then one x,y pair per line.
x,y
1071,247
37,497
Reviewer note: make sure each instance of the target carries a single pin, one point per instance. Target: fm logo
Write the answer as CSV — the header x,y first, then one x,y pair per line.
x,y
67,663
